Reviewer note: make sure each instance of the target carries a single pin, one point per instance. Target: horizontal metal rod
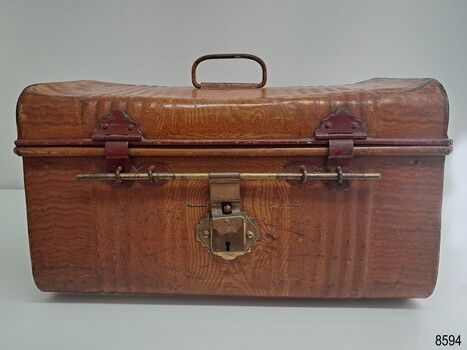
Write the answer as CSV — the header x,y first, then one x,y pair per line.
x,y
242,176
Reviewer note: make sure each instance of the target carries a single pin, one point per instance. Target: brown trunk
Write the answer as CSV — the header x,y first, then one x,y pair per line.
x,y
379,239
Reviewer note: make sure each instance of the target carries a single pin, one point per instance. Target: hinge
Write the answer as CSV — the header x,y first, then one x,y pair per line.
x,y
117,130
340,128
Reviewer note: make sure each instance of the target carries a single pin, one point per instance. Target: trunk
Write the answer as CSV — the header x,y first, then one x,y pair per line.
x,y
285,192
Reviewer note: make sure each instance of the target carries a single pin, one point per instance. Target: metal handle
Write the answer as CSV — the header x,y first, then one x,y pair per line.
x,y
228,85
303,176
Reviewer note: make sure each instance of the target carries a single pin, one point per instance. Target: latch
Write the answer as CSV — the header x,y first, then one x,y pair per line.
x,y
227,231
341,129
117,130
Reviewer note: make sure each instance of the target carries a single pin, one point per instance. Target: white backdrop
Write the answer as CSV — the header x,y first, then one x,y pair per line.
x,y
309,42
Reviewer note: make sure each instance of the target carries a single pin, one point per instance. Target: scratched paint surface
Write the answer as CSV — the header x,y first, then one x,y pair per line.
x,y
380,239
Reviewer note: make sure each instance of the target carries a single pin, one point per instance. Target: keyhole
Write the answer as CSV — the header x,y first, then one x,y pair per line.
x,y
227,246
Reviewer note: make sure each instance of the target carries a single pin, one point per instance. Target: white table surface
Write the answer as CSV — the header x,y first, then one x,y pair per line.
x,y
30,319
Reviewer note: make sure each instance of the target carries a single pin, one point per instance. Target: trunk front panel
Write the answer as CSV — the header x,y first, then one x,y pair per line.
x,y
380,239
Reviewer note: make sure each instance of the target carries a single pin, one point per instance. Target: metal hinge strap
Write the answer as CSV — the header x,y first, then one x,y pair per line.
x,y
117,130
340,128
340,160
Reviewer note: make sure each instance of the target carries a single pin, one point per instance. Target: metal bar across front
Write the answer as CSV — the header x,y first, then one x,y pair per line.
x,y
243,176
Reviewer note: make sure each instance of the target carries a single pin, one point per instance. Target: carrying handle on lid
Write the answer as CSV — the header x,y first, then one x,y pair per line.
x,y
198,85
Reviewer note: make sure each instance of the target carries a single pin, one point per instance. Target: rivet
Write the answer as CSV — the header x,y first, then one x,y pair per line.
x,y
354,125
206,234
327,125
130,127
250,234
105,126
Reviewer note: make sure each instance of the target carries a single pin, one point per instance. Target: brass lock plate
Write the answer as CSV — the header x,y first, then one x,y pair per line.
x,y
226,231
227,234
228,237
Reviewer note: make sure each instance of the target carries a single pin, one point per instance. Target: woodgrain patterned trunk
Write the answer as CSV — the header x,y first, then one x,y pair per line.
x,y
379,239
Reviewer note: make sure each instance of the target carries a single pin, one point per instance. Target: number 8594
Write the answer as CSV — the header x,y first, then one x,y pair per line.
x,y
447,340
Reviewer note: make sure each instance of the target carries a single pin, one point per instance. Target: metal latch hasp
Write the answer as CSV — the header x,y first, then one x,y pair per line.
x,y
226,231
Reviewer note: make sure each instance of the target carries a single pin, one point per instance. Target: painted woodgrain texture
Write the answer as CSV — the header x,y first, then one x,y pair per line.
x,y
380,239
390,108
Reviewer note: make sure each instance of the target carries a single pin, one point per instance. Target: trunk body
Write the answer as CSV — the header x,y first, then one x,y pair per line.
x,y
378,239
